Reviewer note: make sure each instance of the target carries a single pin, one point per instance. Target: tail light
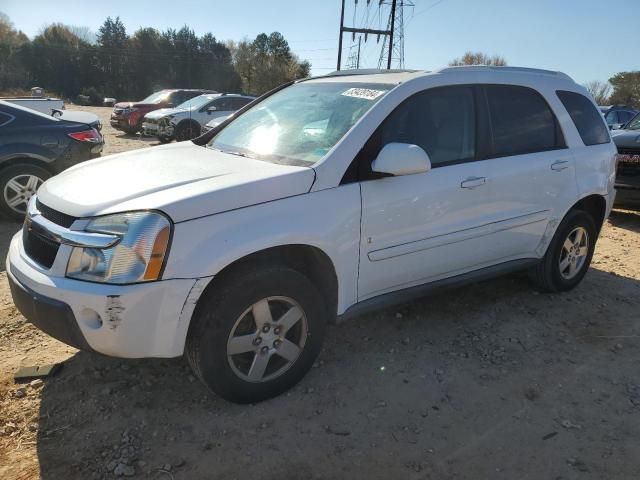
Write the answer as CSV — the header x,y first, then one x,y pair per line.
x,y
91,136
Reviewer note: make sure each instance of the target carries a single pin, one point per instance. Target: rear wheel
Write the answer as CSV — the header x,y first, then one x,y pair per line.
x,y
18,184
569,254
257,333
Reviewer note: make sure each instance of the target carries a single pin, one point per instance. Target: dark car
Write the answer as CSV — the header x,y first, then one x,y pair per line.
x,y
627,141
127,116
618,115
34,146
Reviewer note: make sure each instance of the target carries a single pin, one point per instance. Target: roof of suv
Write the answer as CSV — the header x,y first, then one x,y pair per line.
x,y
399,76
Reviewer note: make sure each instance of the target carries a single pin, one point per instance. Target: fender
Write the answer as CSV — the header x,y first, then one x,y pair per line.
x,y
328,220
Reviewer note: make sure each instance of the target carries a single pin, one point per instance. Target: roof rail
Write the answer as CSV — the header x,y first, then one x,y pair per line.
x,y
535,71
367,71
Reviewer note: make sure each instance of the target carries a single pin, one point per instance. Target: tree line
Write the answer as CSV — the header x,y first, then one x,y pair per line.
x,y
71,60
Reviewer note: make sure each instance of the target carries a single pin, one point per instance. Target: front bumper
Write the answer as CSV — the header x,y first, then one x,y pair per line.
x,y
161,129
130,321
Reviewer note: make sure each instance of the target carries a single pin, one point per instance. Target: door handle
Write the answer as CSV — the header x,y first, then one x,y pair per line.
x,y
560,165
473,182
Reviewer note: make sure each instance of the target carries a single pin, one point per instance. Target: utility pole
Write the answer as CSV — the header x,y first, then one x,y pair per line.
x,y
365,31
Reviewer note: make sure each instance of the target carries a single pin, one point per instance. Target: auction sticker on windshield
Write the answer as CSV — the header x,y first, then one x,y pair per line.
x,y
366,93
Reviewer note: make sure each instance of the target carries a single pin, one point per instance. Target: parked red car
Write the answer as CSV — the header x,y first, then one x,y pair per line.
x,y
127,116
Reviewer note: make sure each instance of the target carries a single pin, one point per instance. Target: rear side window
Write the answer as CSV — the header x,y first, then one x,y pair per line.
x,y
585,117
624,117
521,121
442,121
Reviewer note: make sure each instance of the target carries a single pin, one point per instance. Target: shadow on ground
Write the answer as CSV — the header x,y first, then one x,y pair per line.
x,y
629,219
487,381
7,231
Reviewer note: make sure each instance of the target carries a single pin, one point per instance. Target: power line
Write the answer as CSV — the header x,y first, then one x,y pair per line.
x,y
438,2
365,30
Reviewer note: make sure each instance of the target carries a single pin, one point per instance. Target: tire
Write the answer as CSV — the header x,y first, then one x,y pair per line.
x,y
164,139
226,312
556,272
187,131
17,184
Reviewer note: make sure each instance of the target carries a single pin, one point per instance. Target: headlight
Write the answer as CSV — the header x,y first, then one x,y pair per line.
x,y
138,257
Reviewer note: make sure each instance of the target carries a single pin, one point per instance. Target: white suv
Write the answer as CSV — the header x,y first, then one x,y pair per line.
x,y
323,199
188,119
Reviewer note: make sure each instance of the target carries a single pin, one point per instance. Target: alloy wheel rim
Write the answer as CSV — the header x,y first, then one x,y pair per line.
x,y
573,254
19,190
267,339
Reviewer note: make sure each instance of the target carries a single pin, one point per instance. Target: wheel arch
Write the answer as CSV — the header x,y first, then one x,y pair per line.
x,y
25,159
309,260
595,205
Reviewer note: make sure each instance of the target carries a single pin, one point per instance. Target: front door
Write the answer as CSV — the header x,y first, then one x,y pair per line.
x,y
422,227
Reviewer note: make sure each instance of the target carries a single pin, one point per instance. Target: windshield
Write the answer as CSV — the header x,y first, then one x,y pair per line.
x,y
157,97
197,102
299,124
634,124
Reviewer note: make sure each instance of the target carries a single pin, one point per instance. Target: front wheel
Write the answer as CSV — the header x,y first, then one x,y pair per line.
x,y
18,184
569,254
256,334
187,131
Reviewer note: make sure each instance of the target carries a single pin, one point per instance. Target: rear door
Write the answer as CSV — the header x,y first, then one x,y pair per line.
x,y
532,170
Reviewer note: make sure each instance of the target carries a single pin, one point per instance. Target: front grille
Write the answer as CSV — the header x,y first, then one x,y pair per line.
x,y
55,216
40,249
628,151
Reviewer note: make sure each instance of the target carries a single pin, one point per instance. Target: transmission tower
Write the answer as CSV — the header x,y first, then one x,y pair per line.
x,y
393,46
353,57
353,61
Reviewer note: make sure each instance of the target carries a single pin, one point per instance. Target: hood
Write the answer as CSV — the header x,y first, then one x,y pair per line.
x,y
137,105
163,112
626,138
182,179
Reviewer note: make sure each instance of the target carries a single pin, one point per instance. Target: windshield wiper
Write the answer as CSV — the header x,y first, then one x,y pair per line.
x,y
231,152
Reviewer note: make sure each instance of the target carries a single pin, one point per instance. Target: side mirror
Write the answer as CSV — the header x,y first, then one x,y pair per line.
x,y
401,159
211,109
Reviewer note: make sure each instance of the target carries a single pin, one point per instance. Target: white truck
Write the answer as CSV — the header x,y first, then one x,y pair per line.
x,y
37,101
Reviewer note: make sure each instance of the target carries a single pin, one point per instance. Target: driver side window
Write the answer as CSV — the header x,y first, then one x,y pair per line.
x,y
441,121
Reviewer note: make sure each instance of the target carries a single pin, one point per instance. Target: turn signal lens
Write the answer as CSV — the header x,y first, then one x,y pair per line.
x,y
91,136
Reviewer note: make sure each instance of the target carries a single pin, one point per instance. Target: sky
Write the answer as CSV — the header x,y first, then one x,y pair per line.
x,y
588,39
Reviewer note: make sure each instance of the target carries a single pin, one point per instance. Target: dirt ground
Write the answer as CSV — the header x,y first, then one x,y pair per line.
x,y
489,381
